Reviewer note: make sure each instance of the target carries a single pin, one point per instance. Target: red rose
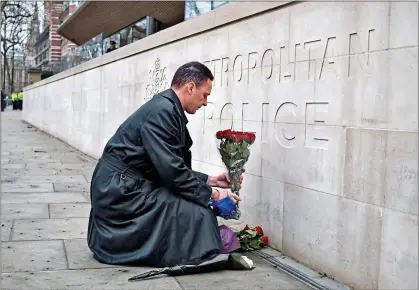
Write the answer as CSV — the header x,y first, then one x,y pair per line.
x,y
265,240
246,228
239,136
252,137
220,134
247,137
259,230
228,134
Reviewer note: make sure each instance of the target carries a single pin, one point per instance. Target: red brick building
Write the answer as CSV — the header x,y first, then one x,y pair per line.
x,y
48,45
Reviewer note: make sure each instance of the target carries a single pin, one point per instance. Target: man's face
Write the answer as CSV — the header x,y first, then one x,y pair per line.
x,y
198,96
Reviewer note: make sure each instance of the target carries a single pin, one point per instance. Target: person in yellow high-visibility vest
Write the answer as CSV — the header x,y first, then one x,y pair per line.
x,y
20,100
14,100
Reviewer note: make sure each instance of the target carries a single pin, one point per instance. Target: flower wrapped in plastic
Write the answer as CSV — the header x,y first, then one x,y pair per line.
x,y
226,208
234,150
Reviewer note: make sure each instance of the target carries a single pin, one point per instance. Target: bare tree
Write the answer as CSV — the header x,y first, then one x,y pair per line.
x,y
15,28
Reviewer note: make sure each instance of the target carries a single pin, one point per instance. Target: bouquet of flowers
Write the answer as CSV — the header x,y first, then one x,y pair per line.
x,y
252,238
234,151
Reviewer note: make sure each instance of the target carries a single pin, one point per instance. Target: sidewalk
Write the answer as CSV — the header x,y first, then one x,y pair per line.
x,y
44,215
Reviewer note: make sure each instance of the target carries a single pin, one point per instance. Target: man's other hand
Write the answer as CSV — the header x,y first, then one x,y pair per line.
x,y
222,180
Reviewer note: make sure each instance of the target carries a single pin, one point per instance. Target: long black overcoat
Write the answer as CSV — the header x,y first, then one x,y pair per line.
x,y
148,206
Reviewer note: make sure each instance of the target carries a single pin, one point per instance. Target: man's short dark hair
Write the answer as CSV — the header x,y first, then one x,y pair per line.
x,y
192,71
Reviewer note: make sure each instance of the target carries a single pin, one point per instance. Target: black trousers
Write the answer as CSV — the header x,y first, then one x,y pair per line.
x,y
19,104
14,105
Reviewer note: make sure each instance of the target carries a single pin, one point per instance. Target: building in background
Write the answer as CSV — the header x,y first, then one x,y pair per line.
x,y
88,27
48,44
30,46
17,76
69,7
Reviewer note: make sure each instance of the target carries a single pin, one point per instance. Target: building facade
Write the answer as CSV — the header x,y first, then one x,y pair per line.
x,y
17,76
48,44
69,7
95,25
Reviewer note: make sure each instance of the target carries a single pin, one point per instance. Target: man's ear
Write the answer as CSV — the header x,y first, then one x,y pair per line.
x,y
190,87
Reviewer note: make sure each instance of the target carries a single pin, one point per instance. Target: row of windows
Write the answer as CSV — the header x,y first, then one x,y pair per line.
x,y
144,27
133,33
138,30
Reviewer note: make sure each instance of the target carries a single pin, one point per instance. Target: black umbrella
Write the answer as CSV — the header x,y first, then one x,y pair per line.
x,y
220,262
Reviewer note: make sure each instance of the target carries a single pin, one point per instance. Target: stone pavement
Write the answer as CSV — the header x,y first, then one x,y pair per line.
x,y
44,215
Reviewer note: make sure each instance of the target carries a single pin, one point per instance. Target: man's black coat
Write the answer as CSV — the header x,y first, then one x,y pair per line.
x,y
148,206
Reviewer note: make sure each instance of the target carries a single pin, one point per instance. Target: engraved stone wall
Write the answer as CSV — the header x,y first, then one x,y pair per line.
x,y
331,91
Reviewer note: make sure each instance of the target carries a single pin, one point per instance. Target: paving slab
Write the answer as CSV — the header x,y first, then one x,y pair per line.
x,y
69,158
57,165
16,173
22,187
35,162
49,229
6,228
45,179
24,211
43,197
13,166
69,210
67,171
12,172
28,155
19,160
80,257
110,278
33,256
71,186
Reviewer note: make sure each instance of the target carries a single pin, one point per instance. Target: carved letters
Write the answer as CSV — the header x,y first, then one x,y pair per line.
x,y
157,80
306,61
294,123
288,131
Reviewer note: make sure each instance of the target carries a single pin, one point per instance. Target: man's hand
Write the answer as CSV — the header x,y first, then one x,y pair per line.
x,y
218,194
222,180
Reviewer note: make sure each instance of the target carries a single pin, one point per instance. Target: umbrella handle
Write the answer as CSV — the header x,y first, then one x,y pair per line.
x,y
145,275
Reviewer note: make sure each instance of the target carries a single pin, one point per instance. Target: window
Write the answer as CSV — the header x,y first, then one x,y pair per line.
x,y
139,30
216,4
125,36
107,41
194,8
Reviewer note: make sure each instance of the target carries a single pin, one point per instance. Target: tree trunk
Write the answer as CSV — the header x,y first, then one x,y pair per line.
x,y
3,79
13,70
9,78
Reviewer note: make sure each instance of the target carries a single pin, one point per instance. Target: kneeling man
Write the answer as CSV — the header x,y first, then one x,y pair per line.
x,y
148,206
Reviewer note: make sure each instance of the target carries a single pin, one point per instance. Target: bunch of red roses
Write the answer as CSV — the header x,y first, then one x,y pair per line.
x,y
236,136
234,151
252,238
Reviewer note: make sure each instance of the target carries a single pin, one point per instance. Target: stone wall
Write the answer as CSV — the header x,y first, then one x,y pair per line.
x,y
331,91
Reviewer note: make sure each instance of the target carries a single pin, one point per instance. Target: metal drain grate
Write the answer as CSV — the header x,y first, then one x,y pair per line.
x,y
290,271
